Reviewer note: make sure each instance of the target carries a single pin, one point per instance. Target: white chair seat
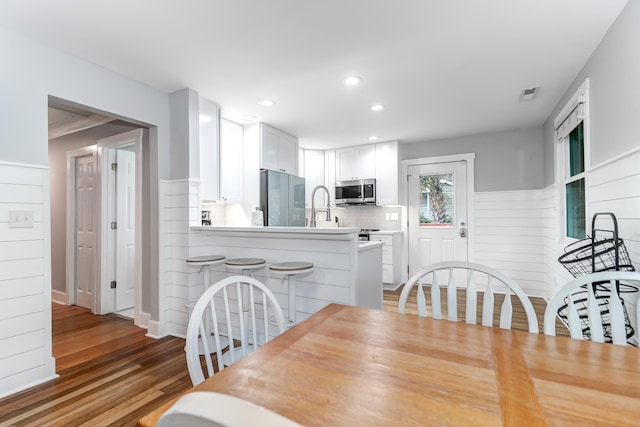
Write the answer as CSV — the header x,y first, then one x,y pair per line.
x,y
209,409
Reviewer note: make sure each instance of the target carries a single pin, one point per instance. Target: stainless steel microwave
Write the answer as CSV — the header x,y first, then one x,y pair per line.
x,y
357,192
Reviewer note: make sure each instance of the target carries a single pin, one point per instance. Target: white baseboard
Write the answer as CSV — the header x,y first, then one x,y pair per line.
x,y
156,330
59,297
391,286
143,320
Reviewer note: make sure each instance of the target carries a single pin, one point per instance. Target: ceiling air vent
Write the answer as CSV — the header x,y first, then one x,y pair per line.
x,y
529,94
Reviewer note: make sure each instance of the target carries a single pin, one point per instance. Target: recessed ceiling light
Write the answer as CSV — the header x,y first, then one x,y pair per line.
x,y
248,118
377,107
352,80
373,138
315,146
266,103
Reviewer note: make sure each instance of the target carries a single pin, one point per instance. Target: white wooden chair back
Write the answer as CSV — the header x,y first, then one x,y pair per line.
x,y
238,308
447,274
210,409
581,313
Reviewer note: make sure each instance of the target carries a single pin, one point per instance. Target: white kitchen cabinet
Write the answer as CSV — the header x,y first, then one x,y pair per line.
x,y
231,161
387,173
391,257
278,150
314,175
356,162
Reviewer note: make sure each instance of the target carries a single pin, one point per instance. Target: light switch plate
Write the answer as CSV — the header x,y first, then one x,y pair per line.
x,y
387,216
394,216
20,219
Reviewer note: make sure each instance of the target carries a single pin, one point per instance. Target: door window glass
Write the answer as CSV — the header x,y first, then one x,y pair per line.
x,y
436,200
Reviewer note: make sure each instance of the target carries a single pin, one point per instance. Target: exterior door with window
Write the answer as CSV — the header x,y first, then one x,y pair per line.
x,y
437,205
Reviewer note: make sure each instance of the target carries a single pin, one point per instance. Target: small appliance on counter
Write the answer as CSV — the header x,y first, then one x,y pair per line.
x,y
356,192
206,217
282,199
257,218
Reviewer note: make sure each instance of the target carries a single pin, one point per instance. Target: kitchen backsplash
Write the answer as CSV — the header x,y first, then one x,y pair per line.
x,y
380,217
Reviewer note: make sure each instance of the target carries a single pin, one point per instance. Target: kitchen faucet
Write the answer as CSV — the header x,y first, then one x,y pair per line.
x,y
313,205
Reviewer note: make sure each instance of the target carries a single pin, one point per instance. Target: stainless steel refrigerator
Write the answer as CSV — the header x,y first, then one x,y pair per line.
x,y
282,199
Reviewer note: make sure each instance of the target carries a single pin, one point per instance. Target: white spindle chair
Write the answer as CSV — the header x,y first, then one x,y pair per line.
x,y
581,288
447,274
223,303
210,409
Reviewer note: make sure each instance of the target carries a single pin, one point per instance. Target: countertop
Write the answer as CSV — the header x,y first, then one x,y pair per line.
x,y
309,230
386,232
364,246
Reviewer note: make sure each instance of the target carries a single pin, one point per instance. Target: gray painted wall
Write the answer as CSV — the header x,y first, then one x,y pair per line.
x,y
614,70
58,167
31,72
509,160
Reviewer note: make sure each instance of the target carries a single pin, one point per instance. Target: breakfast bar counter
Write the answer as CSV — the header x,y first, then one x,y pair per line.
x,y
346,271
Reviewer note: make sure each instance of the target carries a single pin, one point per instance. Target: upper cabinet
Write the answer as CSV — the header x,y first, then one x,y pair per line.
x,y
231,165
387,173
356,162
278,150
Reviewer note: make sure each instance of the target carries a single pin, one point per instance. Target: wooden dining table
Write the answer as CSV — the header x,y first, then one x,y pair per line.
x,y
351,366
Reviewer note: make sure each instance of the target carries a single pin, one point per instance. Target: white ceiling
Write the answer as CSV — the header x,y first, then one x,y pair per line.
x,y
441,68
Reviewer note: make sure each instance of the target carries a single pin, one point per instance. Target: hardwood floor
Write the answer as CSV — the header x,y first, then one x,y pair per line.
x,y
111,374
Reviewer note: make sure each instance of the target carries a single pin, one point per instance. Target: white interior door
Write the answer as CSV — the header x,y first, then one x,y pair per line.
x,y
437,212
126,230
85,230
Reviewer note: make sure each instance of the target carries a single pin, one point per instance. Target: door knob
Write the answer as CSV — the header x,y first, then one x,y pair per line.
x,y
463,230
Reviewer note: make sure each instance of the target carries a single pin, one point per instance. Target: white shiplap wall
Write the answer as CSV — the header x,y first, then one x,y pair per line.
x,y
511,232
179,209
25,280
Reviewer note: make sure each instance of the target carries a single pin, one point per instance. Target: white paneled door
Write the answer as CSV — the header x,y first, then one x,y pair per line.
x,y
85,230
126,230
437,212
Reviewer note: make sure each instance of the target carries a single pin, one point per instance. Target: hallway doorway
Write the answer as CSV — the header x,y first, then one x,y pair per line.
x,y
83,273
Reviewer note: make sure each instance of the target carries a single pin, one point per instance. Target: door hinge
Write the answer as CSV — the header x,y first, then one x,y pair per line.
x,y
408,177
407,269
113,284
114,166
114,225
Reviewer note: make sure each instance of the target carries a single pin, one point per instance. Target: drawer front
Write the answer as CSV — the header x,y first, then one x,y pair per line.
x,y
386,239
387,255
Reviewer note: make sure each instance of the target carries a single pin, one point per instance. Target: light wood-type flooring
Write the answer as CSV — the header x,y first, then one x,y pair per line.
x,y
111,374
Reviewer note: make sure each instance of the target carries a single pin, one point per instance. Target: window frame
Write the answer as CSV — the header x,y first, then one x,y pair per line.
x,y
579,101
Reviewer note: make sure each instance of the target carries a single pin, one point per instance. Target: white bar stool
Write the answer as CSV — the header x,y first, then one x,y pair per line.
x,y
290,270
245,265
204,262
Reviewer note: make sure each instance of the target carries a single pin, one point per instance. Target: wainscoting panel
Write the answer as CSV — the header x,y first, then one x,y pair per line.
x,y
25,280
510,236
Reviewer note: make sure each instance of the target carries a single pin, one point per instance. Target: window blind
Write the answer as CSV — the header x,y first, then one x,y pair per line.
x,y
573,119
